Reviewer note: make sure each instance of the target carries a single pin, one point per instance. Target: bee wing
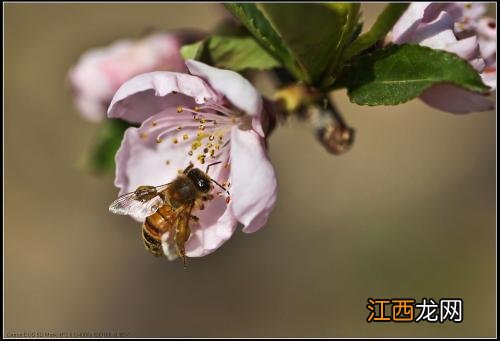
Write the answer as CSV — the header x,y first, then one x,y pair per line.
x,y
131,204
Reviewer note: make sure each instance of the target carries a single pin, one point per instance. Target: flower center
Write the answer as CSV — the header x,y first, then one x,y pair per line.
x,y
202,131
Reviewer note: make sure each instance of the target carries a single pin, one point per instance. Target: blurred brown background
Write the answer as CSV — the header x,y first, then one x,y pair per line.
x,y
409,212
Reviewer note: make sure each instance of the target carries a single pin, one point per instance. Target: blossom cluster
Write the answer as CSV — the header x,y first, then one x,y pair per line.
x,y
186,112
460,28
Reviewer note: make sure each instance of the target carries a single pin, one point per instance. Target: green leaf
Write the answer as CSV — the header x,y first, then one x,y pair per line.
x,y
382,26
193,51
101,156
258,25
234,53
350,30
314,33
399,73
307,38
356,32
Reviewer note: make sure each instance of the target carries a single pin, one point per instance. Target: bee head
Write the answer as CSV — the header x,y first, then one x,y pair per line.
x,y
200,180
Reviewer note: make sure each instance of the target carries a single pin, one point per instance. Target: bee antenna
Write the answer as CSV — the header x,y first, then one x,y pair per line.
x,y
212,164
218,184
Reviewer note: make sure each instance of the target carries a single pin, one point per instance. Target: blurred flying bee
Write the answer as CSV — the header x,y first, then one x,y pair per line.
x,y
166,209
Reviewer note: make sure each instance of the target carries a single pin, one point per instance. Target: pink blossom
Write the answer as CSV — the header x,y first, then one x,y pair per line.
x,y
207,116
100,72
457,28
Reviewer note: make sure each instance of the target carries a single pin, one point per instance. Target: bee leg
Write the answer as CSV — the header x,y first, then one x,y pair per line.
x,y
182,234
195,218
182,253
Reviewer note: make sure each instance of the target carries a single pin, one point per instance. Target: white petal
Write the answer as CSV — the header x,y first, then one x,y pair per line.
x,y
408,22
254,184
216,225
238,90
456,100
146,95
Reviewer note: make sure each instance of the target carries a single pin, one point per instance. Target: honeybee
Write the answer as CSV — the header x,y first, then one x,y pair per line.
x,y
167,209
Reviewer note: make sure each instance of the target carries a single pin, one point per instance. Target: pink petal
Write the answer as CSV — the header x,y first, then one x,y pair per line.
x,y
99,72
147,94
487,27
455,10
93,110
152,53
488,51
254,185
140,160
237,89
478,64
90,86
456,100
408,22
467,48
473,10
216,225
489,77
436,34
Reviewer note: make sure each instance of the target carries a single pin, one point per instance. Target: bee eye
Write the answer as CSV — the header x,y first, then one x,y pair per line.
x,y
203,185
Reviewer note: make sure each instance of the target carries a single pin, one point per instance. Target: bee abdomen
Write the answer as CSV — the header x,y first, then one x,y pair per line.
x,y
151,243
154,227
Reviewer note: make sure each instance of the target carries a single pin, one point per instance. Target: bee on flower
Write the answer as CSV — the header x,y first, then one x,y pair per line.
x,y
188,121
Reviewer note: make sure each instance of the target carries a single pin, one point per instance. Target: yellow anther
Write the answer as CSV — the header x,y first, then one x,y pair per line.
x,y
143,136
174,140
159,140
185,136
195,145
179,109
201,158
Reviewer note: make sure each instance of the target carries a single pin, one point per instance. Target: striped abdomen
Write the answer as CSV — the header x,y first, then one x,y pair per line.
x,y
155,226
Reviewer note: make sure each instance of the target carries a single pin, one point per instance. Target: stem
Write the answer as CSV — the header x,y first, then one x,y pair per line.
x,y
333,132
334,113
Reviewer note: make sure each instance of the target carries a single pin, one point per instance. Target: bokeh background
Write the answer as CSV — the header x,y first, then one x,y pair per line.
x,y
408,212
